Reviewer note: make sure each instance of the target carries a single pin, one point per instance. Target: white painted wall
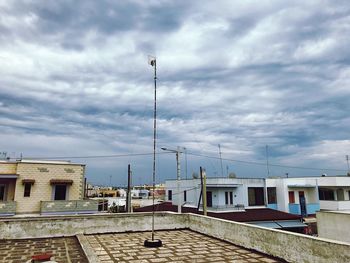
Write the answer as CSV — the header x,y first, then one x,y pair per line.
x,y
333,225
239,188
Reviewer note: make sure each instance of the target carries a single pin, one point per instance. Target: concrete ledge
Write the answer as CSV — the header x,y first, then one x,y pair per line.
x,y
56,226
291,247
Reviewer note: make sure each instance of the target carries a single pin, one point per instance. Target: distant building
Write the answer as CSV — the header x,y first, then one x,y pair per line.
x,y
140,193
223,194
302,196
26,186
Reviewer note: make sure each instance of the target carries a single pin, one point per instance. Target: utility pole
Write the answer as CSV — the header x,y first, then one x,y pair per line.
x,y
347,161
267,160
178,181
201,193
128,195
178,151
222,170
204,192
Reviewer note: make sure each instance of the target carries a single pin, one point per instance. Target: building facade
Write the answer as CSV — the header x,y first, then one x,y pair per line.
x,y
223,194
26,184
301,196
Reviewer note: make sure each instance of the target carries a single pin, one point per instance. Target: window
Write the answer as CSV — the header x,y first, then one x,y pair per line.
x,y
291,197
185,196
326,194
170,195
27,188
228,198
2,192
340,195
255,196
60,192
271,195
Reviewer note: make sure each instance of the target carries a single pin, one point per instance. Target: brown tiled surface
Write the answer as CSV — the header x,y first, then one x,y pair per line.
x,y
178,246
20,251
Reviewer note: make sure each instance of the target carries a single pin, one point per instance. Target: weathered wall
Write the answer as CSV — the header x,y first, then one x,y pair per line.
x,y
333,225
7,168
41,190
292,247
55,226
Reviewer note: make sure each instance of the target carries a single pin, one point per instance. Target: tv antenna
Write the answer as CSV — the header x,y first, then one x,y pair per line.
x,y
153,242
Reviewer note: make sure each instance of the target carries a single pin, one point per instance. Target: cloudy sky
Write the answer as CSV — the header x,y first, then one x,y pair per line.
x,y
243,74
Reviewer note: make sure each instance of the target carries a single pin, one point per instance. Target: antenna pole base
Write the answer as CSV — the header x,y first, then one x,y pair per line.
x,y
153,243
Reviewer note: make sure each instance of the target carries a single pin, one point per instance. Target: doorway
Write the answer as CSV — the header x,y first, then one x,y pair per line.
x,y
209,199
302,203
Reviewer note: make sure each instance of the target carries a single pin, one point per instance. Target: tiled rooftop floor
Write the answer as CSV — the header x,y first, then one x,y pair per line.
x,y
63,249
178,246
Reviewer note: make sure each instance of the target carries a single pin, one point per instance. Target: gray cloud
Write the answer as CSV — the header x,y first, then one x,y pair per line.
x,y
75,81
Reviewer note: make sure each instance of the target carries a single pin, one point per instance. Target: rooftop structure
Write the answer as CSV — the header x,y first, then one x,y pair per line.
x,y
41,186
186,238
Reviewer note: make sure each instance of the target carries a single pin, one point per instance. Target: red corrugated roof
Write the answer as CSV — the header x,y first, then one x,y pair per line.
x,y
249,215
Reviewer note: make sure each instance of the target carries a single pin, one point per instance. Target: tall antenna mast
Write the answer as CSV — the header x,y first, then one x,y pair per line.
x,y
267,160
154,243
222,169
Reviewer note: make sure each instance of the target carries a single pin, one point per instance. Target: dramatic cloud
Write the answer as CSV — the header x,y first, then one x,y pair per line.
x,y
243,74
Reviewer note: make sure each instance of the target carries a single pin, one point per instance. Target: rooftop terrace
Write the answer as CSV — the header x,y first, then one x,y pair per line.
x,y
186,238
179,246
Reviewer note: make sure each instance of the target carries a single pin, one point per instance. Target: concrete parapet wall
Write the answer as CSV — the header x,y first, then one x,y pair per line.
x,y
56,226
68,207
291,247
334,225
7,208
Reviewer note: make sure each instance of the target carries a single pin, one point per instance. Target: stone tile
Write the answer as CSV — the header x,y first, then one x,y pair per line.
x,y
178,246
19,251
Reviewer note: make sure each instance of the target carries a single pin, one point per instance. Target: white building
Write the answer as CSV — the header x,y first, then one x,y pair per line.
x,y
222,193
334,193
302,196
293,195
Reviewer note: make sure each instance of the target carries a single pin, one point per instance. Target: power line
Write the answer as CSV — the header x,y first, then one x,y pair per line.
x,y
92,156
189,153
264,164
